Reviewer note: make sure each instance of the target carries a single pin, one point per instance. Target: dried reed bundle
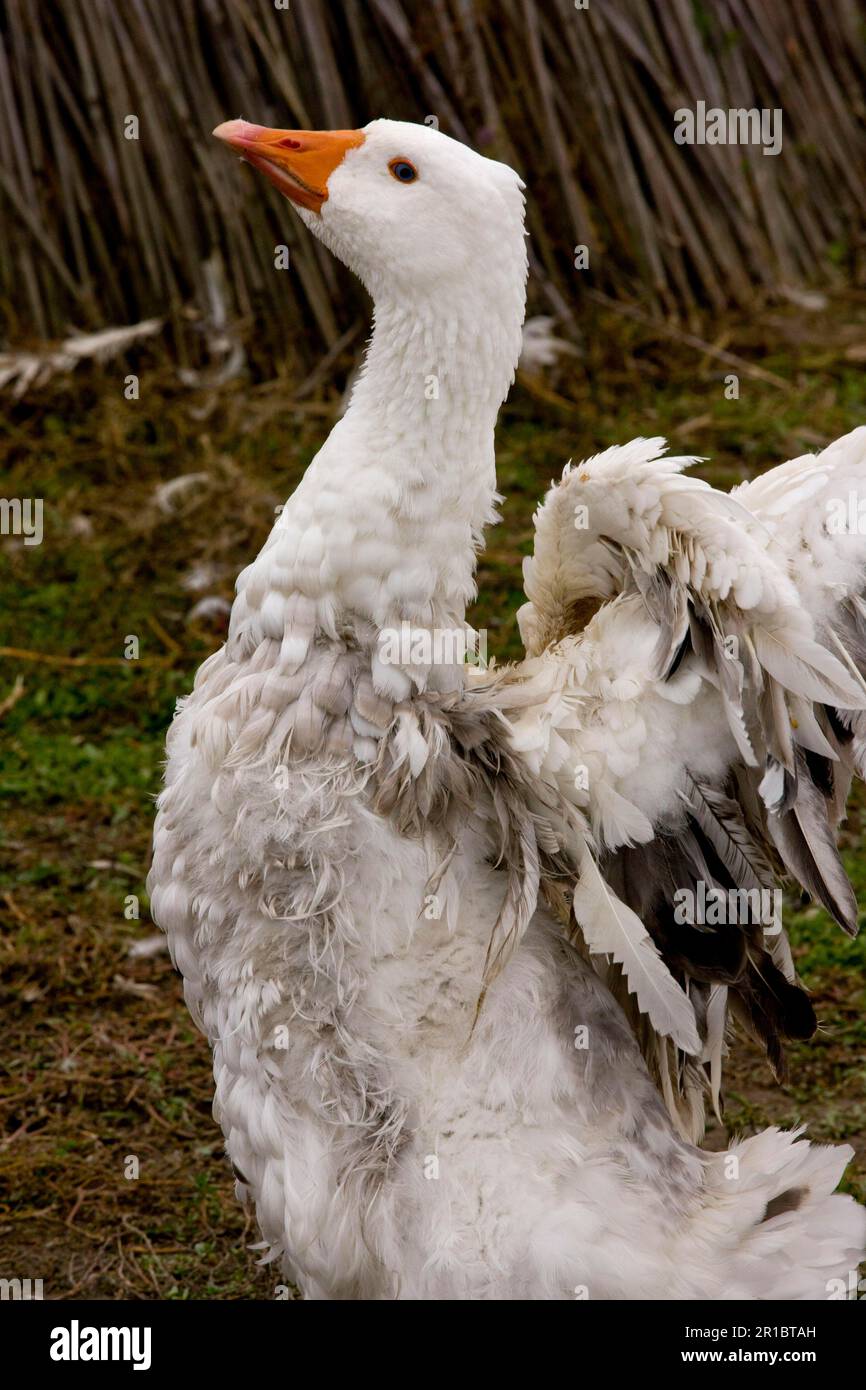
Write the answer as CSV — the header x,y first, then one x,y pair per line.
x,y
104,229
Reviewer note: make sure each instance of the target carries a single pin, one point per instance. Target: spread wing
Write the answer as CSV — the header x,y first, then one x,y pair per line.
x,y
715,647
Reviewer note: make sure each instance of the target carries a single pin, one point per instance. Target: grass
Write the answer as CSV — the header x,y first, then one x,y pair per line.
x,y
102,1065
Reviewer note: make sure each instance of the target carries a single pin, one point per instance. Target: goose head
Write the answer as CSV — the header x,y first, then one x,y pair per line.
x,y
411,211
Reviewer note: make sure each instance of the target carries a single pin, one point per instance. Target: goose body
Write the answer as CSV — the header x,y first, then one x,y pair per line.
x,y
426,1088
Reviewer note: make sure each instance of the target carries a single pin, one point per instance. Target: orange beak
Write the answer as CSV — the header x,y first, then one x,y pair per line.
x,y
297,162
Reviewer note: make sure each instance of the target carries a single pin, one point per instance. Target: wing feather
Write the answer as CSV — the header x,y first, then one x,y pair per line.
x,y
752,613
611,928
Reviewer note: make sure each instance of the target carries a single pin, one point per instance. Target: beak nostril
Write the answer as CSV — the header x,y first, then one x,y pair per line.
x,y
277,153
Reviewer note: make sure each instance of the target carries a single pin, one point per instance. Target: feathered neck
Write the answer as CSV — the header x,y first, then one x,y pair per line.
x,y
385,526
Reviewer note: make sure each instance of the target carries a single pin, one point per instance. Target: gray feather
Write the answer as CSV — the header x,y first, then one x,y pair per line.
x,y
721,820
808,849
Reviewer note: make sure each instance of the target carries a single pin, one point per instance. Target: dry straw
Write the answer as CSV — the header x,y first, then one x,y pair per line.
x,y
103,230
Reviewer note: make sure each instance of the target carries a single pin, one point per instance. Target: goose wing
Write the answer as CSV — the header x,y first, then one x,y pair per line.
x,y
711,719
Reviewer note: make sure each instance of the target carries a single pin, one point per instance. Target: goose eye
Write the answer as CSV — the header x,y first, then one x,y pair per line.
x,y
403,170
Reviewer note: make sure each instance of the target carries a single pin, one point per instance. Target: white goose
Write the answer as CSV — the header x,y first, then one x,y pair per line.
x,y
364,854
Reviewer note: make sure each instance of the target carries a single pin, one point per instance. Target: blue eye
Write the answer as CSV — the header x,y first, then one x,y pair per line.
x,y
403,170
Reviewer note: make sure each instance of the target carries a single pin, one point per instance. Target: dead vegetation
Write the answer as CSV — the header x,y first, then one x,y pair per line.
x,y
111,222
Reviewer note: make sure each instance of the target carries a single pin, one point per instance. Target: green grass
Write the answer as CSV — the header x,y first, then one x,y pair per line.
x,y
101,1060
